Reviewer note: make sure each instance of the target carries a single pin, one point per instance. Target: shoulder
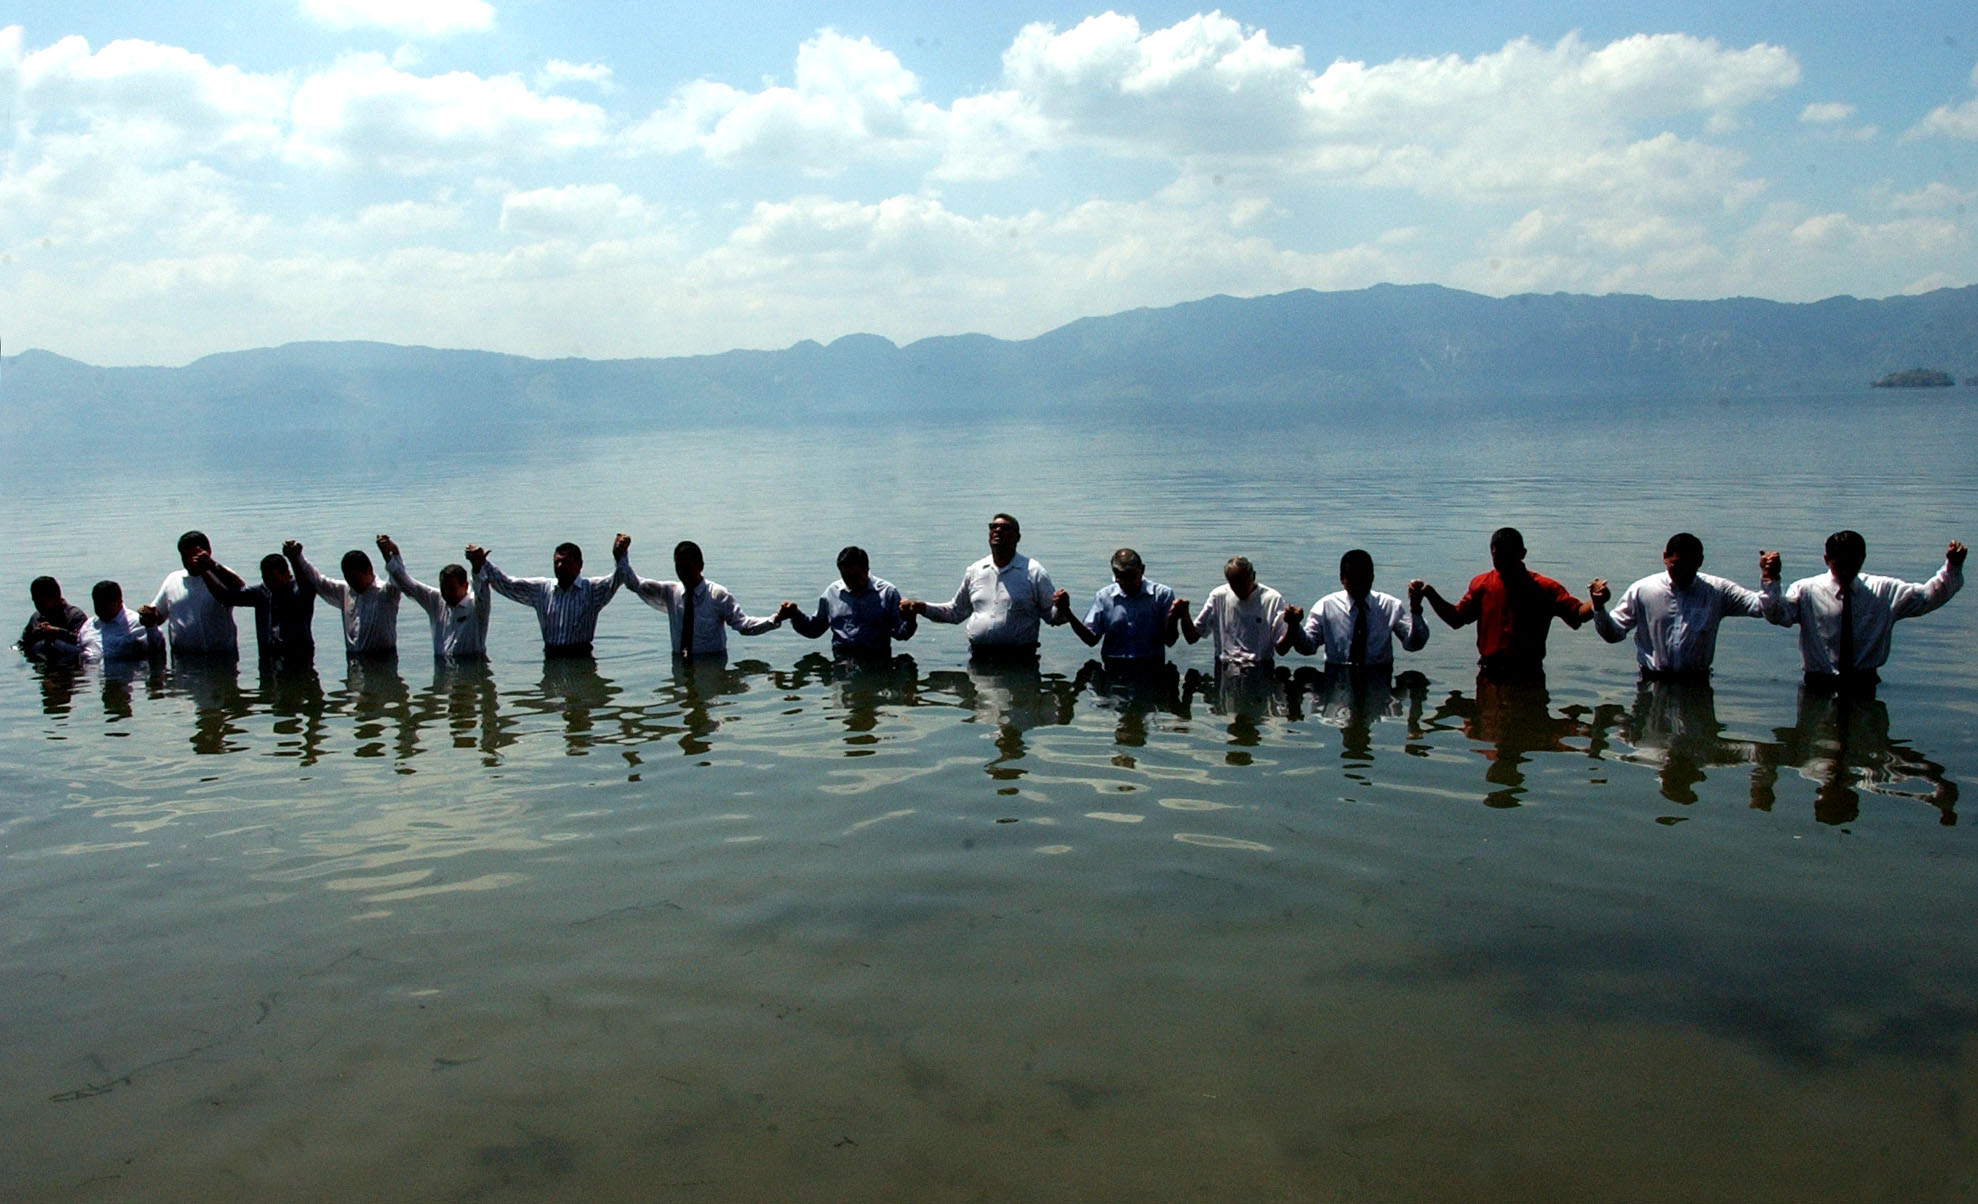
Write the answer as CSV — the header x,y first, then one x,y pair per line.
x,y
1550,586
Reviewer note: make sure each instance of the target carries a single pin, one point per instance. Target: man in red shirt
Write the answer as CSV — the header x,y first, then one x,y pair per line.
x,y
1512,608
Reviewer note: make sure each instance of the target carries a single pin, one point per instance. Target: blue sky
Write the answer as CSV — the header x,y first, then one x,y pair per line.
x,y
615,180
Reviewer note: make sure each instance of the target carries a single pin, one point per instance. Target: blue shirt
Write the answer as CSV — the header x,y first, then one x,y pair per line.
x,y
866,621
1131,627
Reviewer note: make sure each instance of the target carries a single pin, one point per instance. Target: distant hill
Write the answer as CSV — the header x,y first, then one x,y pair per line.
x,y
1391,344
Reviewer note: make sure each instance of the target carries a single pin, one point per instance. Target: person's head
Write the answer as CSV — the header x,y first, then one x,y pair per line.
x,y
275,573
191,545
1846,553
1004,532
1356,572
47,595
688,563
1682,556
453,584
1507,549
357,571
567,563
1241,575
1128,569
854,568
107,598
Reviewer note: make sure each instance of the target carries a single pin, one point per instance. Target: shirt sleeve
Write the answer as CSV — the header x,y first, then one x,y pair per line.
x,y
731,614
1778,610
523,590
904,623
1469,607
428,598
1565,606
655,594
1040,584
1736,600
483,612
1615,625
1308,637
1910,600
813,625
329,589
956,611
1410,628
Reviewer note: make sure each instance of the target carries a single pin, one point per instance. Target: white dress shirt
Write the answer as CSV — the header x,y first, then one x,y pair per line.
x,y
1814,604
195,620
1675,629
1330,623
122,638
459,632
370,619
715,610
999,607
568,616
1245,630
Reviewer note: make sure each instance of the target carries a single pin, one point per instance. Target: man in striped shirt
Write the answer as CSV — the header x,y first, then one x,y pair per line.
x,y
567,604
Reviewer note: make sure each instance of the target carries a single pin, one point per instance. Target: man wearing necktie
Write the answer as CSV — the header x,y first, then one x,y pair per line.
x,y
698,611
1358,625
1844,616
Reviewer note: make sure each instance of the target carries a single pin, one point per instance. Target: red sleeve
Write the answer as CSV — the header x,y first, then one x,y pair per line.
x,y
1470,605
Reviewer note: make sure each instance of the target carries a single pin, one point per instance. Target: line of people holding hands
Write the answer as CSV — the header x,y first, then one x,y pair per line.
x,y
1844,615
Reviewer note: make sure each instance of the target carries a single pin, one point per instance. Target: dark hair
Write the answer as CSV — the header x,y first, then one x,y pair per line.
x,y
1239,564
1008,518
1358,558
354,560
1847,547
569,549
1507,537
853,557
105,592
194,539
689,553
273,561
453,572
1126,560
44,585
1684,546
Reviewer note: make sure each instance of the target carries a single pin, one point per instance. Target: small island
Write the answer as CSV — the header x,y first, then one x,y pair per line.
x,y
1915,378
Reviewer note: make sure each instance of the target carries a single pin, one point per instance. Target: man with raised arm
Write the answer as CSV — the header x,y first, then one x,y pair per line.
x,y
1845,616
1513,609
1674,614
1003,599
458,609
51,629
115,632
567,604
698,612
862,612
1134,621
1248,623
1358,625
283,609
194,618
368,606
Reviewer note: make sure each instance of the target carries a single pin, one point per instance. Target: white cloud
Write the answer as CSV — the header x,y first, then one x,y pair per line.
x,y
150,101
1934,197
1947,121
407,18
578,212
1826,112
363,112
557,72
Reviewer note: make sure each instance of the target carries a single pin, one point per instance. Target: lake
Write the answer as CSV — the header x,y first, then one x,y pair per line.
x,y
775,929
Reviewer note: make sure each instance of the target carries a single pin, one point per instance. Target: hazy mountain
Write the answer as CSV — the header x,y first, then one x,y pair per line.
x,y
1418,344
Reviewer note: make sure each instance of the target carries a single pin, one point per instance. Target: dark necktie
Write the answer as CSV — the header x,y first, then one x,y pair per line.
x,y
687,622
1844,660
1357,651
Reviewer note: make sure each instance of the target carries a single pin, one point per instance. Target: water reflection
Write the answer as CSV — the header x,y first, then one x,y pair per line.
x,y
292,693
1673,726
1842,745
572,691
463,699
1131,692
1513,718
1353,699
1013,698
857,688
1247,695
212,685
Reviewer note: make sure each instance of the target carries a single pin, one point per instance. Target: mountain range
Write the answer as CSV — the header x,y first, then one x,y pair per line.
x,y
1388,345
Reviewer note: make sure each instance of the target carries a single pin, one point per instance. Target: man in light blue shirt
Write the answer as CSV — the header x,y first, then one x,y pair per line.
x,y
1133,619
862,612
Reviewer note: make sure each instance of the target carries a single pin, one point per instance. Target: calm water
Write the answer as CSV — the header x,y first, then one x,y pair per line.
x,y
771,930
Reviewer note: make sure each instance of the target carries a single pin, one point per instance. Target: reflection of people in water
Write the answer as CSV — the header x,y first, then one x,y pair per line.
x,y
572,689
1673,615
1132,690
212,683
1513,609
1514,718
1673,726
1841,744
463,698
1353,699
698,682
1845,617
1247,694
293,693
1012,698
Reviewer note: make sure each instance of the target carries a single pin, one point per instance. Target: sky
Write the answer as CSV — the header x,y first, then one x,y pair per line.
x,y
601,180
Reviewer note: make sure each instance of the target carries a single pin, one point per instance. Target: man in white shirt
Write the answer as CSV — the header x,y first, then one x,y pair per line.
x,y
1359,626
1003,599
567,604
698,612
195,621
458,609
1845,617
369,607
115,632
1673,615
1248,623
